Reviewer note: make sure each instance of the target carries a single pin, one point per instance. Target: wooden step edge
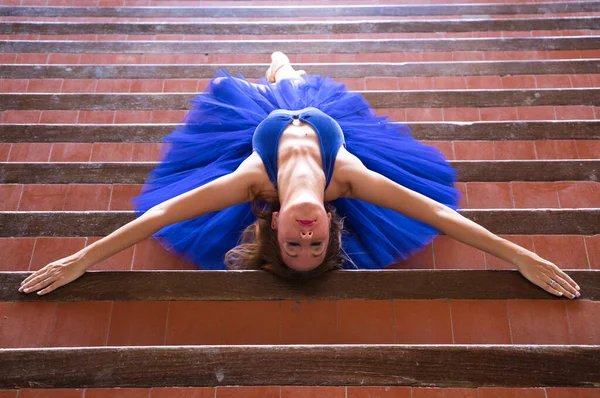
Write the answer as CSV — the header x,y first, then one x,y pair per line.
x,y
300,27
335,70
328,46
499,221
259,285
450,131
376,99
137,172
465,366
283,11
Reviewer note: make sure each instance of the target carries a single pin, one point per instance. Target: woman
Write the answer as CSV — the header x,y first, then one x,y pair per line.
x,y
264,159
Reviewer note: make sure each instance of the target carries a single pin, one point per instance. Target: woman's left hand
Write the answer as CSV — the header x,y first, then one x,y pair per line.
x,y
547,276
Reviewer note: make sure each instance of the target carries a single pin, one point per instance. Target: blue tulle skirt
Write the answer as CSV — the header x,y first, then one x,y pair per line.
x,y
216,136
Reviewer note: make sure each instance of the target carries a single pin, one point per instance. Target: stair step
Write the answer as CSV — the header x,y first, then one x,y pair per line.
x,y
147,133
259,285
136,172
285,11
499,221
377,99
334,70
303,27
301,46
425,366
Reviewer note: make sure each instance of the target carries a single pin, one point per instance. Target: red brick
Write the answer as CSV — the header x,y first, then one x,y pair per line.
x,y
71,152
474,150
16,253
130,117
10,194
44,85
444,392
536,113
122,195
81,324
9,393
494,392
311,392
14,86
354,84
445,147
84,197
30,58
56,58
150,255
117,393
584,318
79,86
422,322
54,393
43,197
452,254
365,322
147,86
493,262
579,193
378,392
96,117
424,114
592,244
252,322
119,261
514,150
419,260
519,81
480,322
565,251
182,392
180,86
27,117
25,325
498,113
29,152
556,149
308,322
4,151
484,82
581,81
534,195
449,83
167,116
574,112
48,250
381,83
461,114
489,195
415,83
246,391
587,149
138,323
538,322
111,152
146,152
59,117
553,81
195,323
113,86
572,392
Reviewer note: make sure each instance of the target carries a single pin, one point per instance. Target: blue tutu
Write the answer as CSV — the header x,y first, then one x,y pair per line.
x,y
216,136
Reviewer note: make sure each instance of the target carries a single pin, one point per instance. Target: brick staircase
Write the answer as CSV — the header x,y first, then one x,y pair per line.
x,y
510,93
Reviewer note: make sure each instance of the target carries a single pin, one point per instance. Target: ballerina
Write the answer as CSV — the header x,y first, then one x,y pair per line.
x,y
287,164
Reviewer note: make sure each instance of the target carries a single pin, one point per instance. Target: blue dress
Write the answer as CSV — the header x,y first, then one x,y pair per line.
x,y
217,134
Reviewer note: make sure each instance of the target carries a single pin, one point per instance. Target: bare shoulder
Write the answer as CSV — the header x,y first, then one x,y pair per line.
x,y
253,171
347,167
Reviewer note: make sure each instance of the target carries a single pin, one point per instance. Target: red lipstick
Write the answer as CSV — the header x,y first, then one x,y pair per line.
x,y
306,223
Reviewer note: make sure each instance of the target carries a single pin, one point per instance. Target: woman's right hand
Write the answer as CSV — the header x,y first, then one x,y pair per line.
x,y
54,275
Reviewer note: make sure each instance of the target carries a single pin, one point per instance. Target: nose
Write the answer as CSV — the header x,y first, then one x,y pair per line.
x,y
306,234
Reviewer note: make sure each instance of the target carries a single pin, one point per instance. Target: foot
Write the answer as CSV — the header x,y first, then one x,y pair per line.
x,y
279,60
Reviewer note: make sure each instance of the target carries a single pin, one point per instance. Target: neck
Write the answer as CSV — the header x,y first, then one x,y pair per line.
x,y
298,182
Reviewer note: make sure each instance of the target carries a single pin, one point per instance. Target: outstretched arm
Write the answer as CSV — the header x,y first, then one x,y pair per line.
x,y
372,187
226,191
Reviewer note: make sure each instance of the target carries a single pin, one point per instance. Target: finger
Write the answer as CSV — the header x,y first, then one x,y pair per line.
x,y
33,275
565,285
550,289
50,288
568,279
40,285
555,285
36,278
